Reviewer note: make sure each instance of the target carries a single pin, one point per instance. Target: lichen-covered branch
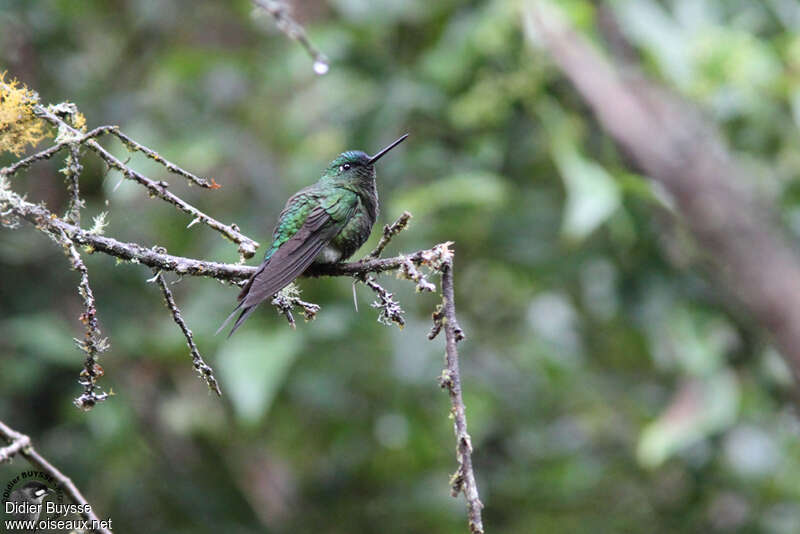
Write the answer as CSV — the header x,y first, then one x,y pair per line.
x,y
92,344
389,231
444,318
20,444
49,152
70,136
14,206
390,310
288,298
158,189
203,369
72,171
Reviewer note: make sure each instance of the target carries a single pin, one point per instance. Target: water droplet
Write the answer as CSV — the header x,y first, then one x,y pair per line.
x,y
321,65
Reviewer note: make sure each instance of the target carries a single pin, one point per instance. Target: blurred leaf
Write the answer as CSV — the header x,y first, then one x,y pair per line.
x,y
467,190
46,336
592,194
699,409
650,25
252,367
694,341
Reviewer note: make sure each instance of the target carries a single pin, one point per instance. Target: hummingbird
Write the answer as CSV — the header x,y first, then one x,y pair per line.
x,y
323,223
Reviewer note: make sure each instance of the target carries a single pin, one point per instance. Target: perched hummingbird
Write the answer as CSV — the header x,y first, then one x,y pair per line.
x,y
323,223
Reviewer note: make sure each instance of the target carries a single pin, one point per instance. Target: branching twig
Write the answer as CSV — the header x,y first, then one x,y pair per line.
x,y
437,259
389,231
16,443
52,151
68,134
203,369
129,143
391,312
21,444
288,298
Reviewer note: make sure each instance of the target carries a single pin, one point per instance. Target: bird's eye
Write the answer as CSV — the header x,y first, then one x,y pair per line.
x,y
345,167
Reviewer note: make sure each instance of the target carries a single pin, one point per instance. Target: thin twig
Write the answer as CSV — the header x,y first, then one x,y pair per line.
x,y
463,480
389,231
171,167
21,444
205,370
93,344
48,153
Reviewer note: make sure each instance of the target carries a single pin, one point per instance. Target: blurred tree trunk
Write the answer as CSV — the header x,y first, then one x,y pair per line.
x,y
675,146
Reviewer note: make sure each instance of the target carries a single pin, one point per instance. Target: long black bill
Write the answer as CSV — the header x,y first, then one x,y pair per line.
x,y
380,154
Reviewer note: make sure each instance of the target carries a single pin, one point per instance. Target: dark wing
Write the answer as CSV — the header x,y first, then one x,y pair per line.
x,y
287,263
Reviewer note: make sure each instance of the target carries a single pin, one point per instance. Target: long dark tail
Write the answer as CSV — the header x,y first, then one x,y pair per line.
x,y
285,263
243,315
246,310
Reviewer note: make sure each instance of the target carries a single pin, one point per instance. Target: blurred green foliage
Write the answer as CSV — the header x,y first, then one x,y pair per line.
x,y
610,385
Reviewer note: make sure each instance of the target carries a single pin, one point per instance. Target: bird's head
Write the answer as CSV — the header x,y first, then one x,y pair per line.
x,y
356,167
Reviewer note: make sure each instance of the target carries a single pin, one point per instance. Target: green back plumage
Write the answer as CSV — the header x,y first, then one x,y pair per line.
x,y
338,202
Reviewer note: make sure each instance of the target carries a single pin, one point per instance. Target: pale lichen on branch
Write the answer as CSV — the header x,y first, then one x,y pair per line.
x,y
19,127
92,344
288,298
